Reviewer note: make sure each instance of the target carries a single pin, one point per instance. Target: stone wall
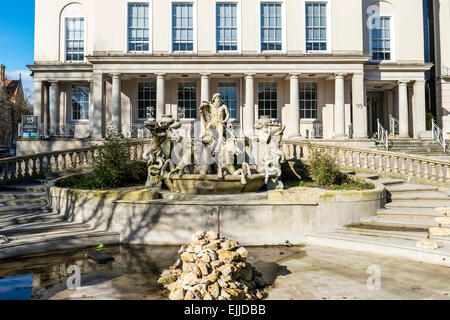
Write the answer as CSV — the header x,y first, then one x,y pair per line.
x,y
251,222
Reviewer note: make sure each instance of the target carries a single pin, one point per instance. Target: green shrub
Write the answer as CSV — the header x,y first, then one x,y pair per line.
x,y
324,169
113,166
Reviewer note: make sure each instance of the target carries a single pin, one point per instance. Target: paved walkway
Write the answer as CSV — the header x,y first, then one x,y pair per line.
x,y
321,273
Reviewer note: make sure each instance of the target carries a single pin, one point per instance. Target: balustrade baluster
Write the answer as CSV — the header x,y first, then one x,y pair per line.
x,y
404,169
388,164
441,173
396,169
433,171
366,161
373,164
419,169
358,159
411,168
426,171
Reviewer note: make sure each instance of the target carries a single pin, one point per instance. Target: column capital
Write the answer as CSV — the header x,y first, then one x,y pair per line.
x,y
294,75
339,75
116,75
205,75
250,75
358,74
54,83
161,75
403,82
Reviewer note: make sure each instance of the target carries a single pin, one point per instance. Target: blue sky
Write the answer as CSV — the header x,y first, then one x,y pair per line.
x,y
17,38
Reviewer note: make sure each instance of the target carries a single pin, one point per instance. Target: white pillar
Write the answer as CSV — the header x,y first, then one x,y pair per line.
x,y
390,100
116,100
205,94
38,108
249,109
293,121
97,110
403,109
419,111
46,113
360,121
54,112
160,95
339,107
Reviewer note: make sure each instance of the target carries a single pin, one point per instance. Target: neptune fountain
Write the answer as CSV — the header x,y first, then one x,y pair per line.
x,y
216,162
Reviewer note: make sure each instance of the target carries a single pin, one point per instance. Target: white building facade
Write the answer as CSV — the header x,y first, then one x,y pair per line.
x,y
329,69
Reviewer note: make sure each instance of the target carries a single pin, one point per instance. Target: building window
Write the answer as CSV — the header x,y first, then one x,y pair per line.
x,y
80,103
182,27
147,100
271,29
308,100
267,99
226,23
381,39
138,27
228,93
75,39
316,26
187,100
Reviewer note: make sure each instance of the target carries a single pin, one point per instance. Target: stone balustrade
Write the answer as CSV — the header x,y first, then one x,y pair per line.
x,y
375,160
36,165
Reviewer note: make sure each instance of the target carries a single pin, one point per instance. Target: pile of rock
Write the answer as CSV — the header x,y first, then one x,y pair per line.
x,y
213,269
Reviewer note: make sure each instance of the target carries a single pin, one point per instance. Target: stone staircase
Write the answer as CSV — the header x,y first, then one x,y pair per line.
x,y
28,222
425,147
395,230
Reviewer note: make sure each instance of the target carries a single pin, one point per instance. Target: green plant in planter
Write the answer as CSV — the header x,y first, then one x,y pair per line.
x,y
324,169
113,164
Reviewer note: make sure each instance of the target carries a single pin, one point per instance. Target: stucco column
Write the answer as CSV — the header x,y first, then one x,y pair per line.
x,y
46,106
54,112
293,121
38,108
160,95
403,109
249,108
419,111
97,110
390,101
116,109
205,94
339,107
360,121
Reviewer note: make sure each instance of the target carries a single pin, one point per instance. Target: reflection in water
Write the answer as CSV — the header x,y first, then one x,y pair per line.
x,y
16,287
133,275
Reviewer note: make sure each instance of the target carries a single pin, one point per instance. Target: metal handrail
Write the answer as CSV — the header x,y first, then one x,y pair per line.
x,y
393,125
383,135
438,135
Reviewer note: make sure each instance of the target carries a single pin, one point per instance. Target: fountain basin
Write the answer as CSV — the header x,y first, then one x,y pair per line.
x,y
212,184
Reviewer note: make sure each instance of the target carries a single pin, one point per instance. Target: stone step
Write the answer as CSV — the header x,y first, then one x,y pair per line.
x,y
370,176
21,195
25,209
410,188
33,228
422,196
39,243
389,233
25,188
29,218
390,182
417,204
23,202
401,223
387,246
413,213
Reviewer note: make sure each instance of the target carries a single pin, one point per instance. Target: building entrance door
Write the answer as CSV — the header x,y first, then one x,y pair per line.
x,y
375,110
